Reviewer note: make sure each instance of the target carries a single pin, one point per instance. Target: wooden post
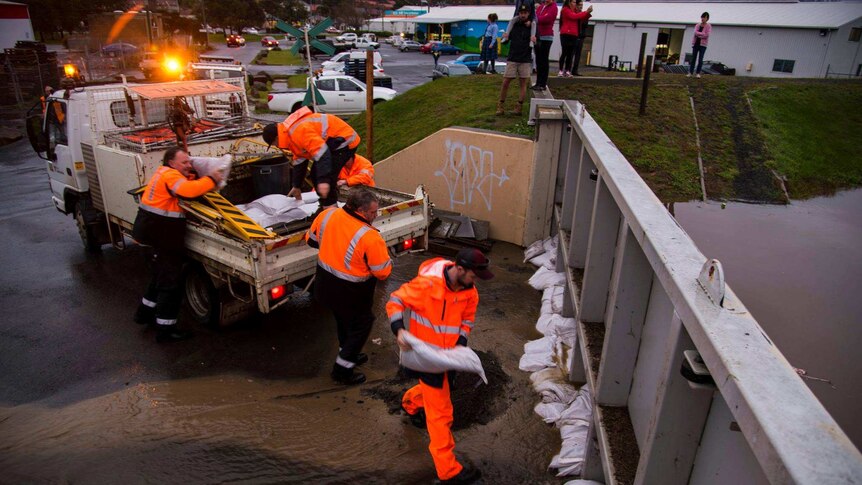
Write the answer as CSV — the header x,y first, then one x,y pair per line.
x,y
641,54
645,85
369,104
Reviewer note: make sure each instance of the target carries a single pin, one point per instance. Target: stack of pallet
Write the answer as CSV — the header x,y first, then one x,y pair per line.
x,y
27,68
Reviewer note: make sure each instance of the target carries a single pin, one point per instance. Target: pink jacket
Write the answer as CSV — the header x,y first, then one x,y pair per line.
x,y
569,21
704,36
545,16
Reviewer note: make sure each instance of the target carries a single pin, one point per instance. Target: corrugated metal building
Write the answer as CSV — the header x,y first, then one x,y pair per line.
x,y
14,24
806,39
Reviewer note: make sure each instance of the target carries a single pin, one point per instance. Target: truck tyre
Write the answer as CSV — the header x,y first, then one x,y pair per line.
x,y
83,207
202,297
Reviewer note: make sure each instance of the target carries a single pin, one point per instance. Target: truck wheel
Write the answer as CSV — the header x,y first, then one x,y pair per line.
x,y
202,297
86,231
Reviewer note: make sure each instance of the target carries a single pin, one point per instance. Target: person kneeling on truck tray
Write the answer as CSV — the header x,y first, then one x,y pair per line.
x,y
357,171
438,307
323,140
352,257
161,225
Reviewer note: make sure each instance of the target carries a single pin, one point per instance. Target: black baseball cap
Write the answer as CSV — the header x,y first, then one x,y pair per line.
x,y
523,8
270,133
472,258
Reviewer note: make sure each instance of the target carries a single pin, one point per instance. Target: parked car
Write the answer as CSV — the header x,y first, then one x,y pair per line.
x,y
340,69
364,43
445,49
348,37
337,61
119,49
269,41
252,31
235,40
449,70
473,62
426,48
344,95
410,45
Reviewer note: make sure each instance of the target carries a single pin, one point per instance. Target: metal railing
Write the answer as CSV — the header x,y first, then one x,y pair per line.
x,y
687,386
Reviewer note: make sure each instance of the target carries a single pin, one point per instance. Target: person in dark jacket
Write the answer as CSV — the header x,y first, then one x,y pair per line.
x,y
519,63
161,225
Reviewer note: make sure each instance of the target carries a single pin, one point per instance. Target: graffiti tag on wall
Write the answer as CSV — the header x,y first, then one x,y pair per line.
x,y
469,174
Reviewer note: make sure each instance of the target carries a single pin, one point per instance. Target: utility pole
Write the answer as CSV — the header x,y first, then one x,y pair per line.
x,y
206,26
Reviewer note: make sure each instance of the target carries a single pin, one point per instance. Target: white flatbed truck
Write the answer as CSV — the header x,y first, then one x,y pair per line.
x,y
102,143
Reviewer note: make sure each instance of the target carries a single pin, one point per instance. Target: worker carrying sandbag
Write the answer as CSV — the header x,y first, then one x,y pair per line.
x,y
438,307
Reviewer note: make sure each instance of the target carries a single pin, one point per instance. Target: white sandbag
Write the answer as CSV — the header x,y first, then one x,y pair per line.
x,y
424,357
544,345
552,299
551,243
580,409
534,250
556,391
273,209
546,260
544,278
209,165
538,354
571,457
583,482
549,411
552,373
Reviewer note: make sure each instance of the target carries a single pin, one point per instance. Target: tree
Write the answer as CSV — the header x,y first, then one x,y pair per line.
x,y
49,16
235,14
291,11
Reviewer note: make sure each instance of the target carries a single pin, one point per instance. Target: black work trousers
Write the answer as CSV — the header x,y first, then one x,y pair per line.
x,y
579,46
325,171
567,42
543,50
165,289
350,303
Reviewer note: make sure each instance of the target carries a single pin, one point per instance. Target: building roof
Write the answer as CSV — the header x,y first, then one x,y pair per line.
x,y
806,15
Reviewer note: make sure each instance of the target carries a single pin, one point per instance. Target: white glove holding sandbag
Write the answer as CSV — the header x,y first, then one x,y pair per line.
x,y
424,357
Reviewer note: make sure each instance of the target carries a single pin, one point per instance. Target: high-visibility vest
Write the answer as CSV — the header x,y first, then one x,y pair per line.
x,y
361,172
304,133
349,248
438,315
166,186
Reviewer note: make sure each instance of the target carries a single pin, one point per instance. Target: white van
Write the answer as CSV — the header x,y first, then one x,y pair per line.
x,y
337,61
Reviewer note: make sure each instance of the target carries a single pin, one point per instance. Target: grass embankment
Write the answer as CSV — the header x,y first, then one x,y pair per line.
x,y
813,131
808,131
281,58
461,101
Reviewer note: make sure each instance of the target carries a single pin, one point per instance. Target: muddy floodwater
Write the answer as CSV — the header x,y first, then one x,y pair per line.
x,y
798,269
122,409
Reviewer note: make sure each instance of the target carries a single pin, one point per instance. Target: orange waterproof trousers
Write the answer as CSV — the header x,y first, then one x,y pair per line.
x,y
438,417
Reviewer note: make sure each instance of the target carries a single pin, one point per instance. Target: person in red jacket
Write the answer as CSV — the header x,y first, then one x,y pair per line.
x,y
546,14
161,225
357,171
572,19
438,307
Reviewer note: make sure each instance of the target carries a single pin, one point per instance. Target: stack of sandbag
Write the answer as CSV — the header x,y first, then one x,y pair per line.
x,y
273,209
549,359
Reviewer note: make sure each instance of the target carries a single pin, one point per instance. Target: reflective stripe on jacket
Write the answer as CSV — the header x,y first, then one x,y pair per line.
x,y
167,185
349,248
304,133
361,172
438,315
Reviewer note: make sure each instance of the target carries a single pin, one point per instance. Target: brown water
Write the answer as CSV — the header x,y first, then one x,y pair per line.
x,y
798,269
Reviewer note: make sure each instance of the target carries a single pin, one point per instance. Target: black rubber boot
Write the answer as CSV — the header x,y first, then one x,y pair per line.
x,y
468,474
361,358
145,315
418,419
170,333
348,377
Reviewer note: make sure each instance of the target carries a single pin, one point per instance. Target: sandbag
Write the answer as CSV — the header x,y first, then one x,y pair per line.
x,y
424,357
538,354
552,300
534,250
544,278
209,165
556,391
545,260
278,208
552,373
549,411
571,457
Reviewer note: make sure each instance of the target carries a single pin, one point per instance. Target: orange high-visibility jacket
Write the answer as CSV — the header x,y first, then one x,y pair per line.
x,y
361,172
304,133
166,186
350,248
439,315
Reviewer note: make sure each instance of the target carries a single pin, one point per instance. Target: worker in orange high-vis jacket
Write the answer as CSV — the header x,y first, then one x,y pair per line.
x,y
357,171
161,224
323,140
441,304
352,256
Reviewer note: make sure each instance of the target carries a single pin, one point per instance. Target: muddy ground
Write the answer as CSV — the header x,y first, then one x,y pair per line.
x,y
87,396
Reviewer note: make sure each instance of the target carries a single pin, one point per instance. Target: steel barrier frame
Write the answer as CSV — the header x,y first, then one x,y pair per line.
x,y
640,282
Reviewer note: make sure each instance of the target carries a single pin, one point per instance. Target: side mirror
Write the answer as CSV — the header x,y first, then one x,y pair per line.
x,y
37,137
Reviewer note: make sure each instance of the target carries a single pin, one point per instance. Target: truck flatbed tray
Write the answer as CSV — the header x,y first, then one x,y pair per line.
x,y
157,137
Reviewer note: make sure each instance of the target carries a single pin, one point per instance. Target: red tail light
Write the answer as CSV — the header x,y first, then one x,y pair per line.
x,y
268,98
276,292
407,244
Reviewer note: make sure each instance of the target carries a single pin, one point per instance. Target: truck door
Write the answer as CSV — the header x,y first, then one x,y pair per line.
x,y
330,95
60,166
351,96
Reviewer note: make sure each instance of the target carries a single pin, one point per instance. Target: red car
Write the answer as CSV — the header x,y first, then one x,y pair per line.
x,y
426,49
269,41
234,40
